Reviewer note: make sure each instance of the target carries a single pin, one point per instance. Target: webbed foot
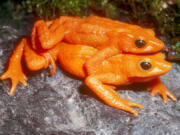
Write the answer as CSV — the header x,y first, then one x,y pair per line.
x,y
16,76
14,71
126,105
158,87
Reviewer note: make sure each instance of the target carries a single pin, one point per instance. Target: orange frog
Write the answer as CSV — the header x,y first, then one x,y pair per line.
x,y
110,37
121,69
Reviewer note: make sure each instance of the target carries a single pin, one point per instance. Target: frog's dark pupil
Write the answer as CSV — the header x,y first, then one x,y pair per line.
x,y
140,43
145,65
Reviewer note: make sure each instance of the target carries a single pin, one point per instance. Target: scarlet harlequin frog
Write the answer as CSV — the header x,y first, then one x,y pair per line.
x,y
121,69
110,37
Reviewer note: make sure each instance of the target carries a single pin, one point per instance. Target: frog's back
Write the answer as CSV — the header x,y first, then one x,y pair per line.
x,y
70,23
114,25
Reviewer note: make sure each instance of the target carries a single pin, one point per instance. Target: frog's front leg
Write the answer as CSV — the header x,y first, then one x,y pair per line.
x,y
14,71
157,86
93,63
47,34
107,94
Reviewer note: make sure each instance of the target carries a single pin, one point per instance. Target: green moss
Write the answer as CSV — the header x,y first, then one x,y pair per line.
x,y
176,49
50,9
166,19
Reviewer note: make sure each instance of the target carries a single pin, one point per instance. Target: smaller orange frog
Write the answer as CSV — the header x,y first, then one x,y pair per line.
x,y
109,36
121,69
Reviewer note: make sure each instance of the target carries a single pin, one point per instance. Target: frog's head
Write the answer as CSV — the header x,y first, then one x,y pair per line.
x,y
143,67
140,40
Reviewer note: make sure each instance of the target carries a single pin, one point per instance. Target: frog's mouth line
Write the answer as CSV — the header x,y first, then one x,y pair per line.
x,y
143,79
144,54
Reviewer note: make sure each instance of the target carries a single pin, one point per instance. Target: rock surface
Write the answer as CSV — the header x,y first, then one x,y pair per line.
x,y
62,105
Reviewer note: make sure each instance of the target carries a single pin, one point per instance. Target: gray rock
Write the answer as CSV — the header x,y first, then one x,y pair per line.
x,y
62,105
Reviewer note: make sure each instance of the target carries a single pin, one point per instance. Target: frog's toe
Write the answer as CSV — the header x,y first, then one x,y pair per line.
x,y
134,104
13,88
15,82
170,95
23,80
165,93
15,78
4,76
110,87
126,105
130,104
127,108
49,59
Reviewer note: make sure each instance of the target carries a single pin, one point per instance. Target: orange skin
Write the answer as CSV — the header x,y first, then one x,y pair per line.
x,y
121,69
108,37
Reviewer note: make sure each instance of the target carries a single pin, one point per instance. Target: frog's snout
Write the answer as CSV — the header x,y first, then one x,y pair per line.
x,y
163,66
155,45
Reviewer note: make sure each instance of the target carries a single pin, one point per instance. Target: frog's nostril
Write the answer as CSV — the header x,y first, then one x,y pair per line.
x,y
140,43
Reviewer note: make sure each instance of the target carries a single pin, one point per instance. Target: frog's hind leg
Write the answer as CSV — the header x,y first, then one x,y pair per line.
x,y
72,58
35,61
47,34
107,93
14,71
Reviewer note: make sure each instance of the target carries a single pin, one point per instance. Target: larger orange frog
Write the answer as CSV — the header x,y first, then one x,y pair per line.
x,y
108,36
121,69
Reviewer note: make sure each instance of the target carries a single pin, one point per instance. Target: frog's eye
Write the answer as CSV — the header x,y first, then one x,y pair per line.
x,y
145,65
140,43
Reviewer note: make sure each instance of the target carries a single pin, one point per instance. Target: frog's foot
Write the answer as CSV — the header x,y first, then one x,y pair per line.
x,y
126,105
14,71
49,59
158,87
16,76
107,93
36,61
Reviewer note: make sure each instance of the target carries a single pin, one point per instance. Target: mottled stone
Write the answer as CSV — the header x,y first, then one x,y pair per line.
x,y
62,105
